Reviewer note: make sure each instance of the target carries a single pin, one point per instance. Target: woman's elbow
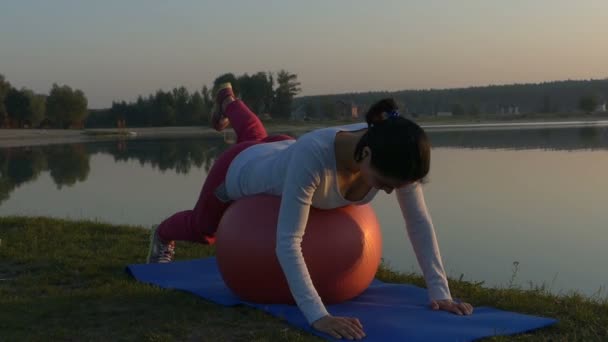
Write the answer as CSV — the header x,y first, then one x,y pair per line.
x,y
286,246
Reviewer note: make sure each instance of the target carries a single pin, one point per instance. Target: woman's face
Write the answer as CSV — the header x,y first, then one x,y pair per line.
x,y
374,178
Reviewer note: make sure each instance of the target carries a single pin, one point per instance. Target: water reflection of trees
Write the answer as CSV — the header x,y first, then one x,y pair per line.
x,y
66,164
70,164
565,139
179,155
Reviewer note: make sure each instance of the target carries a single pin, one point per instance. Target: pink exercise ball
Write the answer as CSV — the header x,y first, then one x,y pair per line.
x,y
342,248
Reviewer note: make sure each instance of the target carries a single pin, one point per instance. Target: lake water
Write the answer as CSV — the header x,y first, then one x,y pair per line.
x,y
534,196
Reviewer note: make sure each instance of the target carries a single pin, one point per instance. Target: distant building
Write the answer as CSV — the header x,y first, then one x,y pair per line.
x,y
354,111
348,110
509,110
444,114
601,108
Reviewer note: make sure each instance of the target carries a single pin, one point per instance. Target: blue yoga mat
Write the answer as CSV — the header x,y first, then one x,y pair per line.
x,y
388,312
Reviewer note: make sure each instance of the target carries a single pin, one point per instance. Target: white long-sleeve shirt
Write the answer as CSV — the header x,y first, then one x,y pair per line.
x,y
303,172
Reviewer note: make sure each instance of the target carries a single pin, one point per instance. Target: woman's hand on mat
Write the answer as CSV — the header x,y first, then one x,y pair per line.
x,y
452,306
340,327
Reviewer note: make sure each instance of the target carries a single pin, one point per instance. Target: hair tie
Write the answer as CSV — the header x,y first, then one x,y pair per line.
x,y
392,114
389,115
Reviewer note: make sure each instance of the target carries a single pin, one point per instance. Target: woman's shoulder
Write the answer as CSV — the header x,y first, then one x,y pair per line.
x,y
328,134
346,127
320,142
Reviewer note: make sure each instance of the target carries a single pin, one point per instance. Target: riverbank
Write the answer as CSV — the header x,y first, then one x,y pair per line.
x,y
32,137
65,280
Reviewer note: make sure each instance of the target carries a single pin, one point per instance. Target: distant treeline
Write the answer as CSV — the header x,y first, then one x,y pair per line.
x,y
179,107
64,107
548,97
272,95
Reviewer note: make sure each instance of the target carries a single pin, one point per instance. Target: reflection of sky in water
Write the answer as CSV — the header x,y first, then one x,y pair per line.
x,y
536,197
124,192
491,208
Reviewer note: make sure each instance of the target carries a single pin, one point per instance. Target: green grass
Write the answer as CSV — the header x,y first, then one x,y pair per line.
x,y
65,280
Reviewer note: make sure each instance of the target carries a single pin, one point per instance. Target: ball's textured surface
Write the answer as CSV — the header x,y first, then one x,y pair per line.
x,y
342,248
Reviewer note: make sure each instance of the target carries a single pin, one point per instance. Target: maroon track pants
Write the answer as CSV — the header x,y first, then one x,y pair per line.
x,y
200,223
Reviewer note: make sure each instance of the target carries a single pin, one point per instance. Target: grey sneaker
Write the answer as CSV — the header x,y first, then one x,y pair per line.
x,y
160,251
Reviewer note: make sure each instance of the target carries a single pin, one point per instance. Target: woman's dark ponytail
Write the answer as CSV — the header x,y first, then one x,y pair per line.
x,y
400,148
379,110
376,114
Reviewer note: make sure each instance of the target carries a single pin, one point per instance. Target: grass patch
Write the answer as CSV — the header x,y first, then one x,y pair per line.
x,y
65,280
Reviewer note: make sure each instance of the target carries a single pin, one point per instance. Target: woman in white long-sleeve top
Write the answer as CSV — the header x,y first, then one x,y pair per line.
x,y
326,168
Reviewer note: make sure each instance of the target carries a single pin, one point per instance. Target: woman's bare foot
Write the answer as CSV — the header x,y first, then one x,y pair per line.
x,y
218,121
226,102
223,97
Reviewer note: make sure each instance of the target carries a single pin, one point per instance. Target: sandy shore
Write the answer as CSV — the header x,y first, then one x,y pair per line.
x,y
32,137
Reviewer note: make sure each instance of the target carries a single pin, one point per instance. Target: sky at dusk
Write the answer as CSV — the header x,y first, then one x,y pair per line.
x,y
117,50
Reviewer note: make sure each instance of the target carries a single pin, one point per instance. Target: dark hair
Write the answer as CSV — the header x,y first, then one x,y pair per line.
x,y
400,147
